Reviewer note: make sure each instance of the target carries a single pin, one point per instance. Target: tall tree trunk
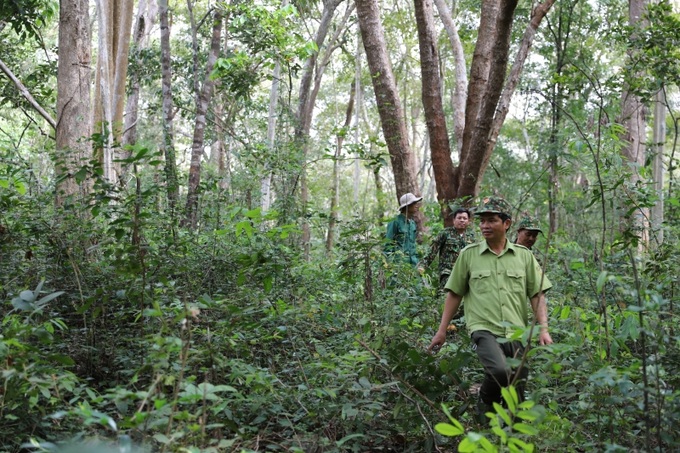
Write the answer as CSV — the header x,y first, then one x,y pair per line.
x,y
633,118
561,34
537,15
147,12
335,196
440,148
657,164
266,183
487,75
168,145
308,94
115,22
357,121
460,72
74,114
199,126
103,89
389,106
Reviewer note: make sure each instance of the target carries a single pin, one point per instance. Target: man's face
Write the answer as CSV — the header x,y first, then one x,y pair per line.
x,y
461,221
493,228
412,209
527,238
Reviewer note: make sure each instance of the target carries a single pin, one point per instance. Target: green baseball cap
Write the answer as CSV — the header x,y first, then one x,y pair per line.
x,y
494,205
529,223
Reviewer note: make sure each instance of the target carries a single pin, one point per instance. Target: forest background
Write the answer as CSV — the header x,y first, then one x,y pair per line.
x,y
193,198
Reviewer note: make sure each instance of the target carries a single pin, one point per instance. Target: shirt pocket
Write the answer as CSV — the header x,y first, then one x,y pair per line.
x,y
480,282
516,280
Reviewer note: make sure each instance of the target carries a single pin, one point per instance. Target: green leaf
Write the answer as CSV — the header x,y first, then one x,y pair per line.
x,y
467,446
448,430
27,295
48,298
529,448
601,280
525,429
342,441
500,410
63,359
162,438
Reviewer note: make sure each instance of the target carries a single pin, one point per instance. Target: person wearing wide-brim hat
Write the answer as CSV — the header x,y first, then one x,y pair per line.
x,y
497,280
401,232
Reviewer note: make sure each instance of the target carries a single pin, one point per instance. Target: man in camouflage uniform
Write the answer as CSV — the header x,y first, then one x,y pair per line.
x,y
527,231
448,244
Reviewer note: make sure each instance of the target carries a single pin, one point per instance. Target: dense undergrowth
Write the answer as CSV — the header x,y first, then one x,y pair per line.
x,y
120,327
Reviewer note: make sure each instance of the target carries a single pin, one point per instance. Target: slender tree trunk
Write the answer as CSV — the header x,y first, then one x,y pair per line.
x,y
561,34
199,126
168,145
105,69
266,183
308,94
438,134
460,71
74,114
357,118
389,106
335,197
657,165
147,12
633,115
115,22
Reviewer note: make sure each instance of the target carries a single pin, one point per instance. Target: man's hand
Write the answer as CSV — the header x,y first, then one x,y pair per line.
x,y
544,338
437,342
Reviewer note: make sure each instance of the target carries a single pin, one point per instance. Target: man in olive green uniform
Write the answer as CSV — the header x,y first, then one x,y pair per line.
x,y
448,244
495,278
401,232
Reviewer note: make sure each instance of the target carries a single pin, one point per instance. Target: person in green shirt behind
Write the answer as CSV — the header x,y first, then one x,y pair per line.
x,y
401,232
495,278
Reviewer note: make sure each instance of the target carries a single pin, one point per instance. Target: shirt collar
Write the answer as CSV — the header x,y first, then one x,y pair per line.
x,y
509,246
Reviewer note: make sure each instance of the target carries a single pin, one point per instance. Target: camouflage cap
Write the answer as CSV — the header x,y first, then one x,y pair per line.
x,y
494,205
529,223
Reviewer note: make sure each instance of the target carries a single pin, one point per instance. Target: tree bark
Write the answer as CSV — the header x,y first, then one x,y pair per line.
x,y
486,83
537,15
657,165
146,16
307,100
74,112
168,145
431,85
387,99
199,126
633,118
335,196
115,22
460,72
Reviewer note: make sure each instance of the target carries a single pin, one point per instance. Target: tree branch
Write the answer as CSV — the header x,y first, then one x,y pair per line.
x,y
25,93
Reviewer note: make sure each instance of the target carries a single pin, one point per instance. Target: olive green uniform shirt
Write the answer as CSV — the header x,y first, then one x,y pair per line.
x,y
496,288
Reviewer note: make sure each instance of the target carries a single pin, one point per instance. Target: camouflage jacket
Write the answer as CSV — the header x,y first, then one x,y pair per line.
x,y
448,245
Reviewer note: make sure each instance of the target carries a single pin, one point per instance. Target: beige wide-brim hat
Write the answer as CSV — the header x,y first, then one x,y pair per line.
x,y
408,199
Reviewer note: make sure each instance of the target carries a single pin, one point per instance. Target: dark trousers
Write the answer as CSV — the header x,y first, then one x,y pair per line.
x,y
497,372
